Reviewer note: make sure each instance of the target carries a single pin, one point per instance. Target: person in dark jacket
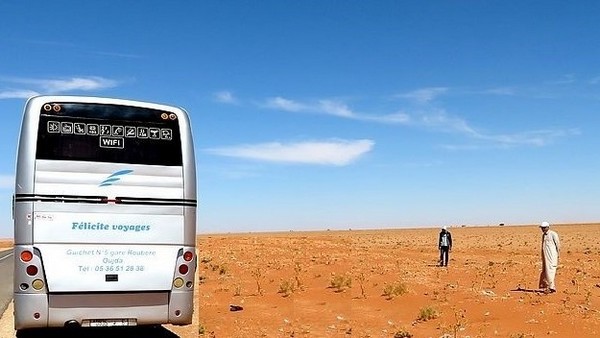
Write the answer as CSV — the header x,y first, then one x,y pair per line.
x,y
445,246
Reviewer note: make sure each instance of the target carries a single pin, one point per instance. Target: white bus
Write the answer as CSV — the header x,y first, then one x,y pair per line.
x,y
104,214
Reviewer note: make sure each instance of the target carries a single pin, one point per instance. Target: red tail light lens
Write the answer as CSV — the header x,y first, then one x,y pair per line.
x,y
26,256
183,269
32,270
188,256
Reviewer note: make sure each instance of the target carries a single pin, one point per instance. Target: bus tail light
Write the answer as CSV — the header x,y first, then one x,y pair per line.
x,y
188,256
185,267
32,270
178,282
26,256
38,284
29,270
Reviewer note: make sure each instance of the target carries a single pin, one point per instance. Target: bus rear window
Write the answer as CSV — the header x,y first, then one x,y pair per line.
x,y
108,133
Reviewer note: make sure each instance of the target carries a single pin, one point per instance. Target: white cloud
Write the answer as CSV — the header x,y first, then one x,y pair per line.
x,y
7,182
595,80
66,84
225,97
119,55
17,94
76,83
335,108
533,138
435,119
438,119
565,79
395,118
424,95
334,152
507,91
285,104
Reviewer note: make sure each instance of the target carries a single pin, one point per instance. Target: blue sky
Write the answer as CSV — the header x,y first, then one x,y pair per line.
x,y
338,114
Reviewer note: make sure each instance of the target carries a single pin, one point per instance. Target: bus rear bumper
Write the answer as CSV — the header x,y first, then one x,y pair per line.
x,y
32,310
144,308
181,310
140,308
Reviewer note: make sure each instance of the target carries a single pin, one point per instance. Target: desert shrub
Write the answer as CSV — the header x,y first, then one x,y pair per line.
x,y
402,334
395,289
201,279
340,282
238,290
286,287
518,335
258,277
222,269
427,313
361,278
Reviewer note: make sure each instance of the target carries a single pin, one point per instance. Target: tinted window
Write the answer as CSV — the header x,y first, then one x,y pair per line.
x,y
108,133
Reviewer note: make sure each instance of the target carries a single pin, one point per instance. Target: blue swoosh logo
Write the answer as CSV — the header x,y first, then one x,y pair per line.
x,y
114,177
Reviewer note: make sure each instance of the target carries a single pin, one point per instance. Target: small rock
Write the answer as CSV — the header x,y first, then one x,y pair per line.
x,y
234,308
488,292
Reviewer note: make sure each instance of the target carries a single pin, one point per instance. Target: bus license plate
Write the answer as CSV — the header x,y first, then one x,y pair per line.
x,y
109,322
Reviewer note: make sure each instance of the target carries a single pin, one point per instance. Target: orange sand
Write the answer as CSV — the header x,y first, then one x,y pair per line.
x,y
285,283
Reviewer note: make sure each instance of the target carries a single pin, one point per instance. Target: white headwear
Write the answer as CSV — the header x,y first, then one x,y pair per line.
x,y
545,225
444,228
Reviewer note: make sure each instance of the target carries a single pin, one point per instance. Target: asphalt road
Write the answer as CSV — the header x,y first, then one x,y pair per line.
x,y
6,278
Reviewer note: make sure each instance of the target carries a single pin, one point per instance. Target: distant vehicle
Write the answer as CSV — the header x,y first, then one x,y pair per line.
x,y
104,214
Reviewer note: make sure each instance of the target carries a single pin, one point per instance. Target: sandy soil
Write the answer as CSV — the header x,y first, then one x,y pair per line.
x,y
385,283
5,244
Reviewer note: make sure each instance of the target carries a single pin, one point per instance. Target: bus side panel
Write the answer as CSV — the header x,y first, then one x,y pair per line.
x,y
25,168
189,177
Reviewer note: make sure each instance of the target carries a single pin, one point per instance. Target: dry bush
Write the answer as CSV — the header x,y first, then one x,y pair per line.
x,y
427,313
286,287
402,334
340,282
395,289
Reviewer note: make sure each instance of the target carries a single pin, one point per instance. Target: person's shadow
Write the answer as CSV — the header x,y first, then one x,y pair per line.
x,y
521,289
117,332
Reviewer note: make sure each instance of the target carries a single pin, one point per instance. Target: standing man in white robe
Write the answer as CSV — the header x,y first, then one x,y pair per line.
x,y
550,253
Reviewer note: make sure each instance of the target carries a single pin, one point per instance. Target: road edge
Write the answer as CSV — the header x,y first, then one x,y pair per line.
x,y
6,322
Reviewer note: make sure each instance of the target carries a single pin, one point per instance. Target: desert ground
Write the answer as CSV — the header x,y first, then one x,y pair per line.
x,y
5,244
385,283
